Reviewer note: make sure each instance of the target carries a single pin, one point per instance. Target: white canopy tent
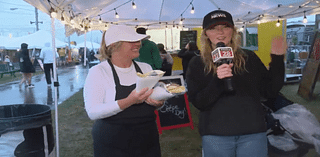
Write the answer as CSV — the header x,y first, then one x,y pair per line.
x,y
83,15
89,45
34,40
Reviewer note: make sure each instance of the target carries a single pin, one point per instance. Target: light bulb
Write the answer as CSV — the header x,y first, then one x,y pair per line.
x,y
278,23
117,16
134,5
305,20
192,10
62,20
100,21
53,14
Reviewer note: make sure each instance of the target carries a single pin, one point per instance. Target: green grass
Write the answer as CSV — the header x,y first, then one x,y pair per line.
x,y
75,128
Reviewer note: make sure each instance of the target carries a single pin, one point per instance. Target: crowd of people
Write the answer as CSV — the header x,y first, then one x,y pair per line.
x,y
231,122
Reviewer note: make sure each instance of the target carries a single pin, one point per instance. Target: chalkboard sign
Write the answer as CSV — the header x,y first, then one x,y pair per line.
x,y
186,37
175,112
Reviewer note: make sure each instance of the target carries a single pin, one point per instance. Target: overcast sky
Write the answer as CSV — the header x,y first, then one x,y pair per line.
x,y
15,17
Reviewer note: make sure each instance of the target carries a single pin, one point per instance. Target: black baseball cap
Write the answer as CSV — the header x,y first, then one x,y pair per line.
x,y
217,17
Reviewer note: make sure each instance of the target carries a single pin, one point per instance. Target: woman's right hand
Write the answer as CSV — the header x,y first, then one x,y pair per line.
x,y
140,97
134,98
224,71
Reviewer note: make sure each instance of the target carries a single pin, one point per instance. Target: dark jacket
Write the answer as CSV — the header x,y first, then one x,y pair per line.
x,y
241,112
186,56
26,65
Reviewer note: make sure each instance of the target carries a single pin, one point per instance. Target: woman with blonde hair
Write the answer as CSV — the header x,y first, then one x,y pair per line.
x,y
232,123
124,118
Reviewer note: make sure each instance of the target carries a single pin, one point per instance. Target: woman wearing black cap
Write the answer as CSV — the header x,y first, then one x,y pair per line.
x,y
232,123
124,118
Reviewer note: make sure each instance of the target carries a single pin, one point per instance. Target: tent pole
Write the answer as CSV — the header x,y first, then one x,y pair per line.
x,y
85,48
172,38
56,84
165,39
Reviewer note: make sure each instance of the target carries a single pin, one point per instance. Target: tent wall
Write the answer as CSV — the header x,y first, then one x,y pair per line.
x,y
266,32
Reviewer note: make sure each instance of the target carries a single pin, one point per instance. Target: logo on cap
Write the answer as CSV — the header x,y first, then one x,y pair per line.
x,y
218,15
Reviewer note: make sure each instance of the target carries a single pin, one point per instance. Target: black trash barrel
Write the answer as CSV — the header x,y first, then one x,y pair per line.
x,y
26,131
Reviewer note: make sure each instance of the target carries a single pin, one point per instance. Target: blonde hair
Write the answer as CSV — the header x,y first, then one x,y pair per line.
x,y
106,51
207,47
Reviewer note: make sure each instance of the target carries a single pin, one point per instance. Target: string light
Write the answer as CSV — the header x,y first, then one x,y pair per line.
x,y
181,20
62,20
72,20
192,9
117,16
134,5
100,21
305,20
53,13
242,28
278,23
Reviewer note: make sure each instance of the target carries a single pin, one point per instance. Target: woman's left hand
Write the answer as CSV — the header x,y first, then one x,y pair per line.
x,y
155,103
278,46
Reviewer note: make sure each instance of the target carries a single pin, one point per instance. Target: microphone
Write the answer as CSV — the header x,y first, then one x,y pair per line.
x,y
223,55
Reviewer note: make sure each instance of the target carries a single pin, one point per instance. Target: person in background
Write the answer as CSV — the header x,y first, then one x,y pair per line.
x,y
167,60
26,66
62,56
46,55
232,123
186,54
125,122
7,59
149,52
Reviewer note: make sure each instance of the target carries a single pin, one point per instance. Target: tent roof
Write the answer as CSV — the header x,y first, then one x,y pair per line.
x,y
168,13
34,40
90,45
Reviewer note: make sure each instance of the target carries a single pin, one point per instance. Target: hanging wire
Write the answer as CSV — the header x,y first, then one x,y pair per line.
x,y
161,10
115,8
187,7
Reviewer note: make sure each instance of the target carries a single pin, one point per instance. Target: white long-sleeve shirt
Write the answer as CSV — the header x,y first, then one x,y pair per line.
x,y
100,91
47,55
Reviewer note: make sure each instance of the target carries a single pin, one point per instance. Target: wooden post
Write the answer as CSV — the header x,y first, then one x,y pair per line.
x,y
311,70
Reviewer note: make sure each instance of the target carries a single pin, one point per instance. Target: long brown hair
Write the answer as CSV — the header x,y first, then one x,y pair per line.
x,y
106,51
208,47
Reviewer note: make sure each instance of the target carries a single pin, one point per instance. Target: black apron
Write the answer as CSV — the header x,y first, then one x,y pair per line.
x,y
130,133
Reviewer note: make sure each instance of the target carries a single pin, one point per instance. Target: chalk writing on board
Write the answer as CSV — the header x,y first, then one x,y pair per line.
x,y
186,37
168,108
